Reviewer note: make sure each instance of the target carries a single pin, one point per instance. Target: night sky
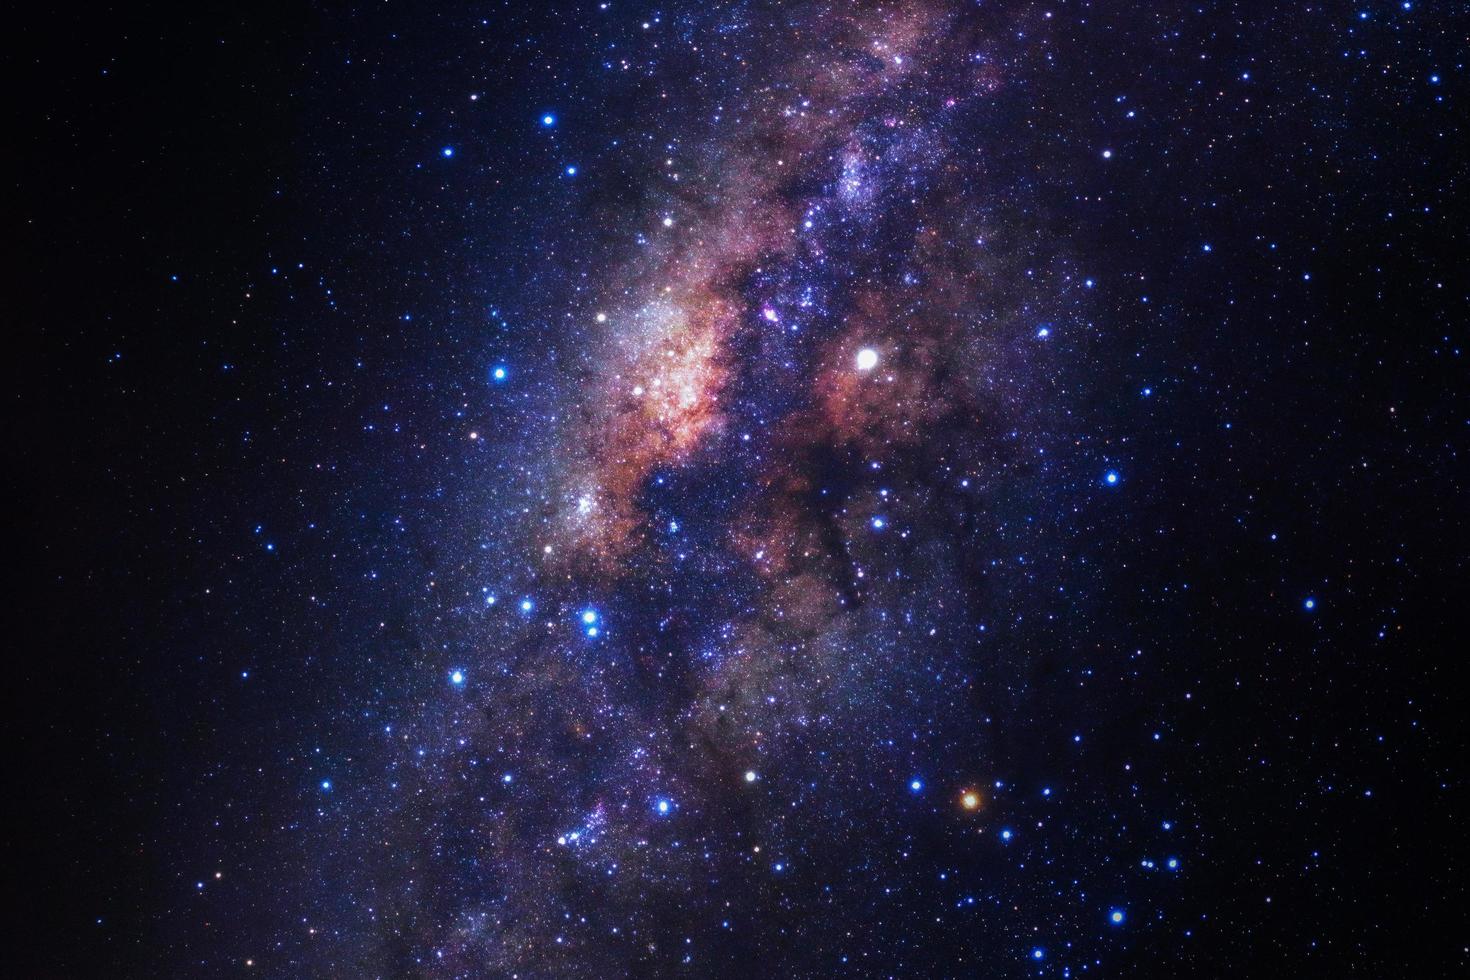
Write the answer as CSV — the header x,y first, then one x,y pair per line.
x,y
818,489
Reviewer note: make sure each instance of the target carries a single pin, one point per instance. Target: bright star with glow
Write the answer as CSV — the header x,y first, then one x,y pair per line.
x,y
456,677
867,359
1111,478
1116,917
448,151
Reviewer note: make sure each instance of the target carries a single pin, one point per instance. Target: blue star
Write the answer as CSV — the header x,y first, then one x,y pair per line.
x,y
456,677
590,620
916,785
449,151
499,373
326,785
1038,953
1116,917
1309,604
548,120
1111,478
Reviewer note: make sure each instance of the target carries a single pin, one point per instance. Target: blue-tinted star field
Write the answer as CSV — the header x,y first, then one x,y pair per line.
x,y
741,489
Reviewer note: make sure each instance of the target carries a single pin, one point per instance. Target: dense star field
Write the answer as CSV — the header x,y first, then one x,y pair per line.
x,y
815,489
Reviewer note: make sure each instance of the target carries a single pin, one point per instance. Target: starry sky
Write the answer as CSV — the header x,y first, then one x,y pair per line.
x,y
799,489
